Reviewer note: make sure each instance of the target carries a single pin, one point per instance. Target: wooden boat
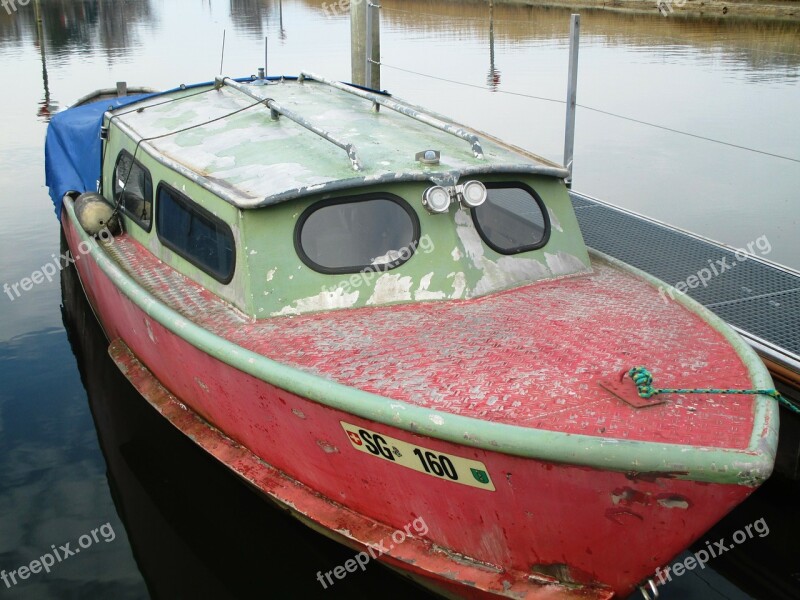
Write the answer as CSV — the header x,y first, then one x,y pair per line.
x,y
381,318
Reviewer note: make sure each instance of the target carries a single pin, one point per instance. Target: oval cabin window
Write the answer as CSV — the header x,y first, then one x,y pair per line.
x,y
348,235
513,219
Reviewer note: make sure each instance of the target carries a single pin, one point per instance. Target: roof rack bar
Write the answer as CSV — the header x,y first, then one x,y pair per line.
x,y
276,109
413,112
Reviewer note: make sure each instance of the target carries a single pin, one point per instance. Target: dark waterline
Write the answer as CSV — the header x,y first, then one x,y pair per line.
x,y
79,448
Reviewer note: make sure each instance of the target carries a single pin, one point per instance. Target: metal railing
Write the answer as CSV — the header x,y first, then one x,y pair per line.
x,y
404,109
277,110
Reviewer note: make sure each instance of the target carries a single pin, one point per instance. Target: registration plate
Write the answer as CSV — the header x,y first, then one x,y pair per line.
x,y
424,460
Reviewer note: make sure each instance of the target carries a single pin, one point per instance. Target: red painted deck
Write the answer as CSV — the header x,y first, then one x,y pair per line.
x,y
532,356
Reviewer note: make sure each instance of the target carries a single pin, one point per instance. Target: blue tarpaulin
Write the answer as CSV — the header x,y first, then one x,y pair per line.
x,y
72,148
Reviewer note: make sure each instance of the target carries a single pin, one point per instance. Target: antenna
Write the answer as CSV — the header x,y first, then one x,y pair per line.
x,y
262,71
222,58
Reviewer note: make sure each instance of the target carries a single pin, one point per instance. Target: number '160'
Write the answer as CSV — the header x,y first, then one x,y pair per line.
x,y
438,465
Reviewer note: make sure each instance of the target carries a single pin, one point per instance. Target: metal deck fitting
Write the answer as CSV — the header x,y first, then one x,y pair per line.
x,y
761,300
413,112
276,110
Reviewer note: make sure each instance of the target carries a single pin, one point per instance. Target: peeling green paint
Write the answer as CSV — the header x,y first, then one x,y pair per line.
x,y
249,154
251,160
452,264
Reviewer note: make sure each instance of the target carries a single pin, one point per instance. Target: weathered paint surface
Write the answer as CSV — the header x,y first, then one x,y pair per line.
x,y
237,292
605,532
533,356
647,460
252,157
271,280
450,262
261,161
325,300
417,555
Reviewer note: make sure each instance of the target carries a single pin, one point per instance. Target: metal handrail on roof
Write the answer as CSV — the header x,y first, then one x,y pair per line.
x,y
276,109
404,109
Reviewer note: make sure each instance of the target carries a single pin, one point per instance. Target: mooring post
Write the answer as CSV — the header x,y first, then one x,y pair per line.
x,y
358,41
368,49
372,67
365,43
572,88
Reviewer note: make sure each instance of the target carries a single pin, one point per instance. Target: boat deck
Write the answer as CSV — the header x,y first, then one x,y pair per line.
x,y
759,299
532,356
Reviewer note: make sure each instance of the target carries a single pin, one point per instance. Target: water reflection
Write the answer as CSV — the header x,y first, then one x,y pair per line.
x,y
750,46
493,77
762,566
282,33
253,17
79,25
60,28
47,106
195,529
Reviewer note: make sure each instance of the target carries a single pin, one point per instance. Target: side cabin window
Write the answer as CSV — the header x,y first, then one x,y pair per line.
x,y
513,219
194,233
370,232
133,189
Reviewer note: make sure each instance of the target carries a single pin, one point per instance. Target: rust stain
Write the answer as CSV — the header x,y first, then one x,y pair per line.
x,y
560,573
653,477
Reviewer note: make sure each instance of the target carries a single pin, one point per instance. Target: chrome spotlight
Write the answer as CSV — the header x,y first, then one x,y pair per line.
x,y
472,194
436,199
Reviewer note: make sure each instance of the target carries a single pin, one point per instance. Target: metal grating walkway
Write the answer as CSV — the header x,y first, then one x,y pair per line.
x,y
759,299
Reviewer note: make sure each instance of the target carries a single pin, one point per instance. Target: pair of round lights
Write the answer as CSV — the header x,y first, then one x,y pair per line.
x,y
437,198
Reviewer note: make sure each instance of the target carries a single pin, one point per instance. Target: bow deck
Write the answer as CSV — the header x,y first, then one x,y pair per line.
x,y
533,356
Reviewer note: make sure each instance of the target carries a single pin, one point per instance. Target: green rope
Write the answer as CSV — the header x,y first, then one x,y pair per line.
x,y
644,385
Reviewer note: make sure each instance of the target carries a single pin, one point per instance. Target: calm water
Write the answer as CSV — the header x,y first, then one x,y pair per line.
x,y
78,449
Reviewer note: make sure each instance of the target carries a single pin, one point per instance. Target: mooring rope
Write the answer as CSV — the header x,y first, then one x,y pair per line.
x,y
597,110
644,385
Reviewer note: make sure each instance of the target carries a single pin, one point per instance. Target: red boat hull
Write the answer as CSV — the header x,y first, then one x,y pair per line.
x,y
545,521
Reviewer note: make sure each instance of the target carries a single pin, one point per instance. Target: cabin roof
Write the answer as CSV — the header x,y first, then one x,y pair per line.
x,y
222,138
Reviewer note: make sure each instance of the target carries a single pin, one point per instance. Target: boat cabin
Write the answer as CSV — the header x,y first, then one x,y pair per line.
x,y
297,195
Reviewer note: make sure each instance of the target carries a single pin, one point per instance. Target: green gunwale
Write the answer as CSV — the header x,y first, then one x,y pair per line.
x,y
747,467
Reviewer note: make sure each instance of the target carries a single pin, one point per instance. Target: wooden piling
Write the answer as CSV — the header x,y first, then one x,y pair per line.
x,y
358,44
